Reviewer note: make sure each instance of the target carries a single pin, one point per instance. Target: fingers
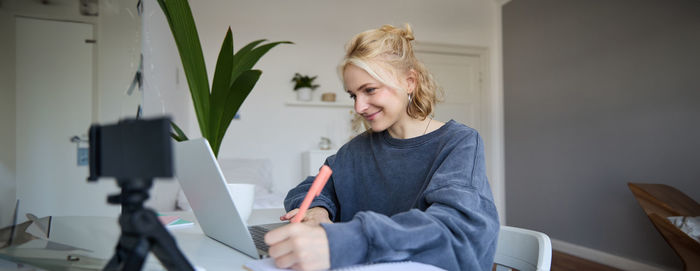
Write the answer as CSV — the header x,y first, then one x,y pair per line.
x,y
280,249
299,246
294,262
275,236
280,234
313,221
315,216
289,215
292,254
296,245
286,262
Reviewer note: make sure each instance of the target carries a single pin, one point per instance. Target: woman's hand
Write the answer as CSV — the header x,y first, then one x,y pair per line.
x,y
299,246
314,216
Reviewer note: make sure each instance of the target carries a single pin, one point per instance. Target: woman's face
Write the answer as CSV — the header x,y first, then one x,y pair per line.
x,y
381,105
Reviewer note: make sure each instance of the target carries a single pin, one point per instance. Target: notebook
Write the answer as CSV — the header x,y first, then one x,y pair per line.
x,y
174,222
269,265
204,185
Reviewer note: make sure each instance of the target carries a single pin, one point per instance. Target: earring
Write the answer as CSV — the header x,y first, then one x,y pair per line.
x,y
409,98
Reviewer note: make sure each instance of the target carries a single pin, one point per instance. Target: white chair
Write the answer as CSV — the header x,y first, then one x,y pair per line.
x,y
522,249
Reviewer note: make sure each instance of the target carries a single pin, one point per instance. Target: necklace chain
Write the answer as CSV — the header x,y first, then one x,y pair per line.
x,y
426,127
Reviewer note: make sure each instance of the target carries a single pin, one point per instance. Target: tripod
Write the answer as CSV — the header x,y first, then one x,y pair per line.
x,y
141,231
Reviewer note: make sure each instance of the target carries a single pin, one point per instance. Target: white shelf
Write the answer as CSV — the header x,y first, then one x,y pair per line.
x,y
318,104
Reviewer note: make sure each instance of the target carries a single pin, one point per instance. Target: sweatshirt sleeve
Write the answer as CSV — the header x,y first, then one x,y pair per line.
x,y
326,199
457,231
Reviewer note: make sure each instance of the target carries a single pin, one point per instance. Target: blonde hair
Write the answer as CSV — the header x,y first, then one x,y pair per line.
x,y
390,48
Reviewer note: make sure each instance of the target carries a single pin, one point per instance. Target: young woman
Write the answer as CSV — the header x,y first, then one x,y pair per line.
x,y
411,188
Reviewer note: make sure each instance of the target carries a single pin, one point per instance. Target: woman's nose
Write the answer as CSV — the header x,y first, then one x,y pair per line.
x,y
360,104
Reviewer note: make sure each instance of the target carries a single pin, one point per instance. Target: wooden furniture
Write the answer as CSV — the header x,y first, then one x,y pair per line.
x,y
660,201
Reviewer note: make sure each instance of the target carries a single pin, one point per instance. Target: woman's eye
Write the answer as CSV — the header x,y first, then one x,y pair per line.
x,y
352,96
370,90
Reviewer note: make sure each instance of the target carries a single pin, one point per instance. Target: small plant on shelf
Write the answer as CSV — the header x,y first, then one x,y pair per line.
x,y
303,85
304,81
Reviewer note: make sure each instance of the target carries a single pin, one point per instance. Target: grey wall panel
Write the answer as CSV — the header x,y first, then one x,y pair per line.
x,y
598,94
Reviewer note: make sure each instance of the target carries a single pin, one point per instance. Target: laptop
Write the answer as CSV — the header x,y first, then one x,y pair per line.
x,y
205,187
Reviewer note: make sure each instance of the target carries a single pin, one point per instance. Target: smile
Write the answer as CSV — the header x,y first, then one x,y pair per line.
x,y
372,116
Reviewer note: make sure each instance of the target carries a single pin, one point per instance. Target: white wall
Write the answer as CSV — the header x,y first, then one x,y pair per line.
x,y
118,46
270,129
7,117
598,95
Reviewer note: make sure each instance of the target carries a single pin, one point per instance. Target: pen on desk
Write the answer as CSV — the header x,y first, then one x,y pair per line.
x,y
314,191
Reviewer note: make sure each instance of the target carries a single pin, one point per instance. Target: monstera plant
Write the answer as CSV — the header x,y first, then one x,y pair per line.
x,y
233,80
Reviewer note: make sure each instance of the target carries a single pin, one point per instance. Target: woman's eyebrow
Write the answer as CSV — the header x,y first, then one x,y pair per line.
x,y
361,87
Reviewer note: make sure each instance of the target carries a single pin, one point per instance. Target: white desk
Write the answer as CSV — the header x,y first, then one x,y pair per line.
x,y
100,234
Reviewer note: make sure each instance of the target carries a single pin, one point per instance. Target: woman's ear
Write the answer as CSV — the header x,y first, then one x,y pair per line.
x,y
411,80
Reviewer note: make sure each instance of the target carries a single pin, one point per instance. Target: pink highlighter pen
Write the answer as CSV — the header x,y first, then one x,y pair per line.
x,y
314,191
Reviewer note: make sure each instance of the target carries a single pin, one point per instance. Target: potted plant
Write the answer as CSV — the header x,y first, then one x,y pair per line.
x,y
233,80
303,85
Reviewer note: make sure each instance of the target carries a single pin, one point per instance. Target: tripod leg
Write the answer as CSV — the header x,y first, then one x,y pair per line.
x,y
161,242
131,250
138,255
142,232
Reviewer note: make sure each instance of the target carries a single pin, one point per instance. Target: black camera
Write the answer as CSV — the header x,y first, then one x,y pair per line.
x,y
131,149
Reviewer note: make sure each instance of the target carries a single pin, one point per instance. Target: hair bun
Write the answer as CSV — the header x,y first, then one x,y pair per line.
x,y
406,33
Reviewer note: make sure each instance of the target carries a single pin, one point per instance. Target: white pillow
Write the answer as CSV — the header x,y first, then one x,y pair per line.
x,y
252,171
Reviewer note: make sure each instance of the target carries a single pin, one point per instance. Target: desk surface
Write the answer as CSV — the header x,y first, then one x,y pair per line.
x,y
99,235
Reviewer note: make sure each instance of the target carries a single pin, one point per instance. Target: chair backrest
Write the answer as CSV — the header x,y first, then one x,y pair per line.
x,y
524,250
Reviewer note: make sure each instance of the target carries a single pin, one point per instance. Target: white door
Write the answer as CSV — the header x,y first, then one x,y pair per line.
x,y
463,72
54,77
459,76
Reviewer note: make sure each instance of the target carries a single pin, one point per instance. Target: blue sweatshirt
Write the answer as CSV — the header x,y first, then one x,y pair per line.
x,y
424,199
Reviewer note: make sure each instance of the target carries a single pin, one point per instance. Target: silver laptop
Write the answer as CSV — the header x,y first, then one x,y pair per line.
x,y
204,185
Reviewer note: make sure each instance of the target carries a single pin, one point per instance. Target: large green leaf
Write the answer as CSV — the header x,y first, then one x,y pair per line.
x,y
233,78
244,51
221,85
245,59
179,17
239,92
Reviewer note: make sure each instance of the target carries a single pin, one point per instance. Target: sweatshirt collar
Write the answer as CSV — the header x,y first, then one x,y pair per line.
x,y
415,141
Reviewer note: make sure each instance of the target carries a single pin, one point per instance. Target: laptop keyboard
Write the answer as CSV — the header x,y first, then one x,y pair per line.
x,y
258,233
